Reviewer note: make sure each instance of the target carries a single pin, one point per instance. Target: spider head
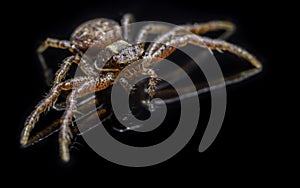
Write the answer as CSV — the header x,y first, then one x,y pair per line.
x,y
98,32
128,55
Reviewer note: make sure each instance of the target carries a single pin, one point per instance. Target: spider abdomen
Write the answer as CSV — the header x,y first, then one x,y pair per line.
x,y
98,32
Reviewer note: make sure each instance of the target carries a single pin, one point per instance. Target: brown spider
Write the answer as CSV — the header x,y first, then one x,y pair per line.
x,y
106,34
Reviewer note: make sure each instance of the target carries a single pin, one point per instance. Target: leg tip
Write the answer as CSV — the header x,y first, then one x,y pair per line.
x,y
64,152
23,142
65,158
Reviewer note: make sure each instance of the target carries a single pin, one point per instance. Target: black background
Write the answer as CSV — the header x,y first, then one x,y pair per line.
x,y
246,144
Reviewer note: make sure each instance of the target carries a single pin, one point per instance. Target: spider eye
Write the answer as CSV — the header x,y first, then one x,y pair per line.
x,y
122,64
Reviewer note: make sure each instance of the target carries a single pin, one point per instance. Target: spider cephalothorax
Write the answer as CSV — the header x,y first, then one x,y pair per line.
x,y
115,54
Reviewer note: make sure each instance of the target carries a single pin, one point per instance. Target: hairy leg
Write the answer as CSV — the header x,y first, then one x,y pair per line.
x,y
152,82
212,44
62,105
150,29
91,85
62,71
198,29
136,69
46,103
54,43
63,44
126,20
102,111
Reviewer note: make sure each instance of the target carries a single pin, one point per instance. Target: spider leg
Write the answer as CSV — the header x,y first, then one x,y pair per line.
x,y
212,44
62,105
67,63
63,44
203,28
91,85
150,29
54,43
108,70
152,82
135,72
46,103
198,29
101,110
126,20
62,71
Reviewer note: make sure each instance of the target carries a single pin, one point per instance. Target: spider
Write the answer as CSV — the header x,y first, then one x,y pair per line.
x,y
106,34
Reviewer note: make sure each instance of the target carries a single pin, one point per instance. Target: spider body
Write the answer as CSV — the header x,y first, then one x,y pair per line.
x,y
105,36
115,54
